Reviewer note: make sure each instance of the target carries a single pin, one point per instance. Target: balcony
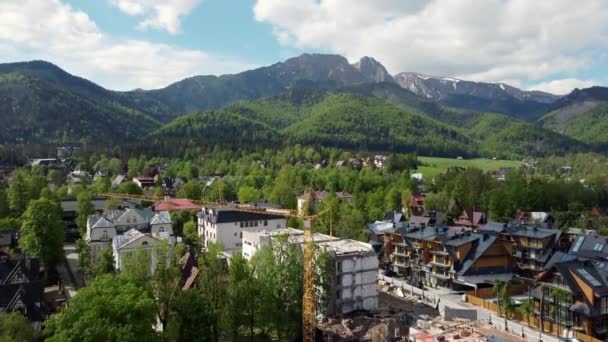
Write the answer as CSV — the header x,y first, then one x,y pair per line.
x,y
439,252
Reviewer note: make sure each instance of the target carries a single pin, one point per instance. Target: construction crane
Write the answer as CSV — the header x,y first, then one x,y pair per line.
x,y
308,300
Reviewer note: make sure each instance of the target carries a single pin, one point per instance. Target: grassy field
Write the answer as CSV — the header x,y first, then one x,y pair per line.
x,y
433,166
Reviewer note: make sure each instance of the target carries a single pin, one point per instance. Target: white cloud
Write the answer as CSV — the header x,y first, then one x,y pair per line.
x,y
54,31
562,86
157,14
490,40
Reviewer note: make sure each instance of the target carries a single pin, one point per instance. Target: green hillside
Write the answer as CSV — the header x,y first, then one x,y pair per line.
x,y
586,121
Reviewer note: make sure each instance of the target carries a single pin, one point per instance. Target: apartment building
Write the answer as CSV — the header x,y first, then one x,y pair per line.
x,y
355,267
534,246
227,226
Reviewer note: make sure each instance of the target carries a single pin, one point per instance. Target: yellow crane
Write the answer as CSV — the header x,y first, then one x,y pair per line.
x,y
308,300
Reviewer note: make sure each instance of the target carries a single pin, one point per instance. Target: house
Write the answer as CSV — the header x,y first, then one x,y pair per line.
x,y
103,228
118,180
144,182
427,218
534,246
8,238
67,151
379,161
22,287
539,217
354,280
189,266
418,177
68,208
381,232
226,226
572,290
416,204
133,240
171,184
472,218
314,198
79,176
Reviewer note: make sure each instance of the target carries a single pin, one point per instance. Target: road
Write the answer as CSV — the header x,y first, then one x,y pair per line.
x,y
68,271
443,298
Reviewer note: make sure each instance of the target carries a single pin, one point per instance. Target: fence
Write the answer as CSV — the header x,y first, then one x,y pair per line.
x,y
532,321
491,292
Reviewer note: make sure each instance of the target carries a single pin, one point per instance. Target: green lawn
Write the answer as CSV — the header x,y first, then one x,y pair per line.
x,y
434,166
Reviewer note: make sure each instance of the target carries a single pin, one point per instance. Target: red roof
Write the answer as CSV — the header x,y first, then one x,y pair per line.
x,y
174,204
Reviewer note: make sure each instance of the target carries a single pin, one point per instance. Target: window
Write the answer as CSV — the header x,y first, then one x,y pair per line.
x,y
604,305
105,234
161,229
234,233
265,222
145,243
241,235
134,219
256,223
339,266
338,293
241,224
128,220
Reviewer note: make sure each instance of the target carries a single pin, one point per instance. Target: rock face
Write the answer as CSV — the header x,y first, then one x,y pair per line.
x,y
372,70
435,87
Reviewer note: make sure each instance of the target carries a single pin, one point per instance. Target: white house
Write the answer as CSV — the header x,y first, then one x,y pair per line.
x,y
132,241
103,228
226,226
355,264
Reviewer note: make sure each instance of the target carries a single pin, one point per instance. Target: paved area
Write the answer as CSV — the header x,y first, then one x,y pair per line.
x,y
68,271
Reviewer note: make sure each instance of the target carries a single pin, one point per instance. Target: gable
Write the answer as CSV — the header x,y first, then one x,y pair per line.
x,y
145,241
131,216
587,290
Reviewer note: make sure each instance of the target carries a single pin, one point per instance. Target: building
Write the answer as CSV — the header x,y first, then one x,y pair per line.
x,y
144,182
472,218
103,228
412,252
79,176
354,280
534,246
226,226
466,259
68,208
8,238
133,240
314,198
22,288
572,290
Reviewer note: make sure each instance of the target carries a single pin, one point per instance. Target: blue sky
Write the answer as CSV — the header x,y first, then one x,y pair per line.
x,y
550,45
225,27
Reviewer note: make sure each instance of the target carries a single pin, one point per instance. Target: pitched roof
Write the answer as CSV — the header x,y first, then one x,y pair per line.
x,y
161,218
321,195
175,204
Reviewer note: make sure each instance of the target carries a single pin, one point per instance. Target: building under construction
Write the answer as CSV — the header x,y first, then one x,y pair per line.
x,y
355,276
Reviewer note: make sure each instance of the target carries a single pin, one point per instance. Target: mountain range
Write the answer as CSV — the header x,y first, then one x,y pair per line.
x,y
311,99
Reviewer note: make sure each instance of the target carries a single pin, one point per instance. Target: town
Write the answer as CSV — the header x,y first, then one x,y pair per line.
x,y
508,277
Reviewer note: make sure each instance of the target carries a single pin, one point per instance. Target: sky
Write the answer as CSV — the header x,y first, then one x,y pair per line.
x,y
549,45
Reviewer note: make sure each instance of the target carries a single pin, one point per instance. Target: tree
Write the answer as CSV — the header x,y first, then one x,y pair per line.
x,y
498,284
106,263
195,316
56,177
248,194
110,308
191,190
84,208
212,284
14,327
130,188
527,308
243,298
43,231
18,194
4,206
191,235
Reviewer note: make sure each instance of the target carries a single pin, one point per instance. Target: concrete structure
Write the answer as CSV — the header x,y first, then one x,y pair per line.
x,y
355,265
226,226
